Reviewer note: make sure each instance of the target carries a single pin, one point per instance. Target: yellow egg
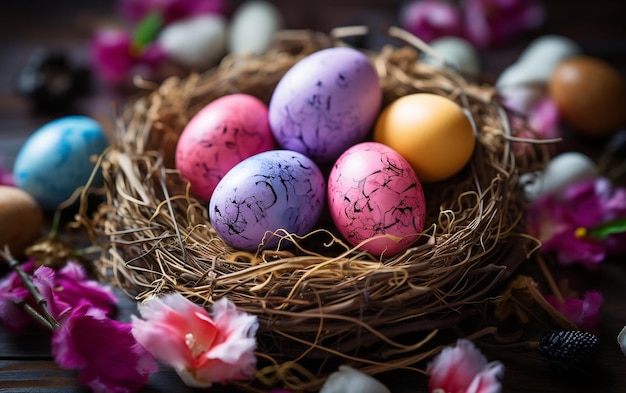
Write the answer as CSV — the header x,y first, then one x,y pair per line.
x,y
430,131
21,220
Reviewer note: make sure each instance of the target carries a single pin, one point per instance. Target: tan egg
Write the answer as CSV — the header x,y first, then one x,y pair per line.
x,y
590,95
21,220
430,131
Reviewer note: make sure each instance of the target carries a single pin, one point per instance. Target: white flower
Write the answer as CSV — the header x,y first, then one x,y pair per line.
x,y
349,380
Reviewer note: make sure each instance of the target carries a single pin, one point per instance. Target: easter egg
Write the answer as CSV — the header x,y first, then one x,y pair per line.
x,y
457,52
252,27
562,171
267,192
17,206
198,42
222,134
375,199
325,103
57,159
430,131
590,95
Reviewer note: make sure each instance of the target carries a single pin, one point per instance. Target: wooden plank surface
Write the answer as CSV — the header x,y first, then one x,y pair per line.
x,y
26,364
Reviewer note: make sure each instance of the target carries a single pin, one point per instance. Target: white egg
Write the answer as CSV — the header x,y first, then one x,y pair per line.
x,y
538,60
252,27
562,171
198,42
457,52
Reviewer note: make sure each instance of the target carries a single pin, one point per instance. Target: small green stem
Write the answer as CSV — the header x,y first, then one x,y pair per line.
x,y
41,302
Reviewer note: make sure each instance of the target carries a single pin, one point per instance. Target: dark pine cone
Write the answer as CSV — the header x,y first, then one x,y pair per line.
x,y
572,348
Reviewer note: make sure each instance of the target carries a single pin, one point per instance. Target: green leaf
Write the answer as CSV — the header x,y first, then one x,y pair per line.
x,y
608,228
147,30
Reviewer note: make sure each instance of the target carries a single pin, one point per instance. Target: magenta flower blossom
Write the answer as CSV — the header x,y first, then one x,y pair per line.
x,y
202,348
116,60
12,292
431,19
585,312
492,22
103,350
464,369
63,288
171,10
560,222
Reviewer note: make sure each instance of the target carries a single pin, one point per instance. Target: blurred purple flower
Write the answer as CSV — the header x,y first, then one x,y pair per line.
x,y
115,58
103,350
431,19
172,10
556,221
585,312
492,22
6,177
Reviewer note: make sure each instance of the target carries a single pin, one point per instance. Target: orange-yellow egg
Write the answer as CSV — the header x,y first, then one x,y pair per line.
x,y
21,220
430,131
590,95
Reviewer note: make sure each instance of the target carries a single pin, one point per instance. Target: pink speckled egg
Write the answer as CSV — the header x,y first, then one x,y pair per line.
x,y
373,191
222,134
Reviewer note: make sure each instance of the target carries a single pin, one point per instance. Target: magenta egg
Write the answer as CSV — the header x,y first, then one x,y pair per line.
x,y
374,196
222,134
325,103
267,192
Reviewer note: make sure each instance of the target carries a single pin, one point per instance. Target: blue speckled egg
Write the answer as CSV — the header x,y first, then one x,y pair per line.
x,y
273,190
56,159
325,103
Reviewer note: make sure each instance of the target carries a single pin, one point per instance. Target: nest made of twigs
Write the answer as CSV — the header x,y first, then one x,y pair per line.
x,y
315,297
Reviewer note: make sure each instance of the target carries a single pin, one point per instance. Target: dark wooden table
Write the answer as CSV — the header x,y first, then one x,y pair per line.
x,y
25,361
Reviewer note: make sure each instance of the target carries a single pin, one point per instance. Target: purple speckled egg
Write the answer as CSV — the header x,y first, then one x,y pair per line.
x,y
374,191
222,134
325,103
278,189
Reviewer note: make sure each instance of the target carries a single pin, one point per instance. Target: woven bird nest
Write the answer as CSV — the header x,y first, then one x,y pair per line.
x,y
316,298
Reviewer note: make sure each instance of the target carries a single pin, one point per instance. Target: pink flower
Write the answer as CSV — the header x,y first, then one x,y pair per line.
x,y
430,19
493,22
65,287
103,350
557,220
464,369
172,10
62,290
202,348
116,60
12,292
585,312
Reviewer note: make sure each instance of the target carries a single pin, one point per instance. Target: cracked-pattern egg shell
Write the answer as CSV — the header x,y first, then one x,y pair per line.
x,y
223,133
270,191
373,191
327,102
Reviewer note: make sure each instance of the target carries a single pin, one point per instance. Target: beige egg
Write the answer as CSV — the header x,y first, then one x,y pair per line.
x,y
21,220
590,94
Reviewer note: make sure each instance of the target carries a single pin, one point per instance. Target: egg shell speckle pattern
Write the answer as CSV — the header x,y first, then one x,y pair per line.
x,y
325,103
273,190
56,159
222,134
373,191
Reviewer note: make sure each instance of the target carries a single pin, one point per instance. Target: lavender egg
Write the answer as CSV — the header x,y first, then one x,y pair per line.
x,y
325,103
374,196
273,190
